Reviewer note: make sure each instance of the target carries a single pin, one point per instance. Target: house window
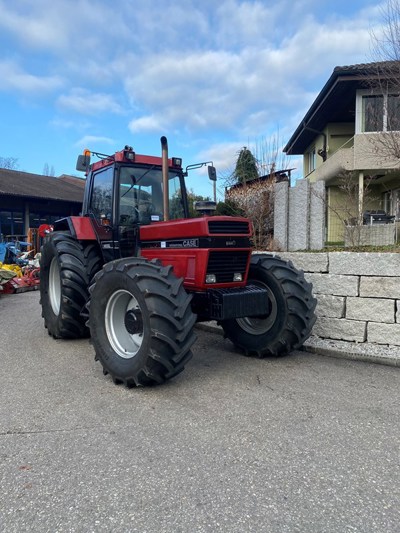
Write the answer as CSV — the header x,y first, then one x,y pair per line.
x,y
311,160
391,203
372,112
393,112
380,113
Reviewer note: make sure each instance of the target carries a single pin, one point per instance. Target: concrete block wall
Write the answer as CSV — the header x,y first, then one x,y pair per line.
x,y
358,295
299,215
299,200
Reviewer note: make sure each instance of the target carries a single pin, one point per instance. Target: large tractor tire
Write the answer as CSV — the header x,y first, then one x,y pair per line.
x,y
291,315
67,267
141,322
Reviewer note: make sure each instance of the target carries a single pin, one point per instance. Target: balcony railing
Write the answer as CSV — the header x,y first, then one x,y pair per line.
x,y
342,159
363,152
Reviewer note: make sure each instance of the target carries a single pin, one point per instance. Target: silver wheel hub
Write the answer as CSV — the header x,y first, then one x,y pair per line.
x,y
55,286
124,324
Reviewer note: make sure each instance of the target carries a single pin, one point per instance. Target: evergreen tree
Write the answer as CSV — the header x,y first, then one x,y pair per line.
x,y
246,166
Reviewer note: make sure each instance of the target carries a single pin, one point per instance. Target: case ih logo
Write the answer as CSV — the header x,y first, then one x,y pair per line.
x,y
191,243
230,243
185,243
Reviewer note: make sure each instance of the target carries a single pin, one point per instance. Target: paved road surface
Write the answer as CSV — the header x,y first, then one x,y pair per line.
x,y
300,444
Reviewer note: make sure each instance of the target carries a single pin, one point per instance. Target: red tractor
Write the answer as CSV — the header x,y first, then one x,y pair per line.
x,y
135,273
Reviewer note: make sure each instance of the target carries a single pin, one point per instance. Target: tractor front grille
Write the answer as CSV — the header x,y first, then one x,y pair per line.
x,y
225,264
229,227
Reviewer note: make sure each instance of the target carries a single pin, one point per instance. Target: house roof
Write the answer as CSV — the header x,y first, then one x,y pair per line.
x,y
336,102
80,182
277,175
16,183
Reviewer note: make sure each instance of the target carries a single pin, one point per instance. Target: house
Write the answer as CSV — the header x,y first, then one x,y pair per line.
x,y
29,200
349,139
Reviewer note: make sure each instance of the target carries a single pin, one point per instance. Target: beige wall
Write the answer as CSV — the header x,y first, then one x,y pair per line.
x,y
337,135
343,206
374,151
338,209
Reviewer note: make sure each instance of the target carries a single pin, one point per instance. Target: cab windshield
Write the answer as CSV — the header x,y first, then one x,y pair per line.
x,y
141,195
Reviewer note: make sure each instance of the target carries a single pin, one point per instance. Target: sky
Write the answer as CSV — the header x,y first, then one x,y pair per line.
x,y
213,76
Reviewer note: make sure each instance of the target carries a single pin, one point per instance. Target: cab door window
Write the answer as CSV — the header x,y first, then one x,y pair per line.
x,y
101,203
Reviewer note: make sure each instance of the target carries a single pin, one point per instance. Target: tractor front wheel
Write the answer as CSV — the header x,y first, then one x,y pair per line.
x,y
141,322
291,315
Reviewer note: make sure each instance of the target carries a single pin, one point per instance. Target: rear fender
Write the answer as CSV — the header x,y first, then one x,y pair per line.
x,y
80,227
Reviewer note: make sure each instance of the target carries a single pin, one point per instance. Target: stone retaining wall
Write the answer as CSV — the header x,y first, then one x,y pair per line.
x,y
358,295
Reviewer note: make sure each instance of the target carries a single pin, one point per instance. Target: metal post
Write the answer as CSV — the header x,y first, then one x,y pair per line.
x,y
360,197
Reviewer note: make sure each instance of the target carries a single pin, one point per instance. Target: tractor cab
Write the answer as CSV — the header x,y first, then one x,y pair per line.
x,y
127,190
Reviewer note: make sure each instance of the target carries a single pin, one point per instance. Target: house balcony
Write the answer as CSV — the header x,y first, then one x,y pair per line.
x,y
366,152
342,159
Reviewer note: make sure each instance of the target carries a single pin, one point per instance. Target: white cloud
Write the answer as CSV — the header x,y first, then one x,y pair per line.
x,y
246,23
14,78
146,124
233,69
71,28
93,140
87,103
244,90
223,155
37,29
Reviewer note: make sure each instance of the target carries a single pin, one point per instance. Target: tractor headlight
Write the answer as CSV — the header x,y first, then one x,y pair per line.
x,y
237,276
211,278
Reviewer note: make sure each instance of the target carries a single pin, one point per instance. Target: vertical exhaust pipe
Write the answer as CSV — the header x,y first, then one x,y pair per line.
x,y
164,152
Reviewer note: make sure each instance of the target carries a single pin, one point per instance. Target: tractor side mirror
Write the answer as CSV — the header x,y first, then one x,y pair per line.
x,y
212,173
83,163
205,207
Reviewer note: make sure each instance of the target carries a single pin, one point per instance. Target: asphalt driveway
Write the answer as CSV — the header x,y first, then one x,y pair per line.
x,y
300,444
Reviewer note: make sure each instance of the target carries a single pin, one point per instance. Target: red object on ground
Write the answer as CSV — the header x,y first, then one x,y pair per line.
x,y
30,281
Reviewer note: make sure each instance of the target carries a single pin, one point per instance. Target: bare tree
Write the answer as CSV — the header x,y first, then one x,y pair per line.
x,y
10,163
264,157
254,198
270,156
255,201
386,41
383,78
48,171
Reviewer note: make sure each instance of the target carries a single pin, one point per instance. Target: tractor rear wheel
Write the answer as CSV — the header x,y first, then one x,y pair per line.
x,y
291,315
66,269
141,322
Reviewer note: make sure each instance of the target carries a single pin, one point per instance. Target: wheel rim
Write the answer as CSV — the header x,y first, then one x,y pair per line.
x,y
124,324
260,325
55,286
